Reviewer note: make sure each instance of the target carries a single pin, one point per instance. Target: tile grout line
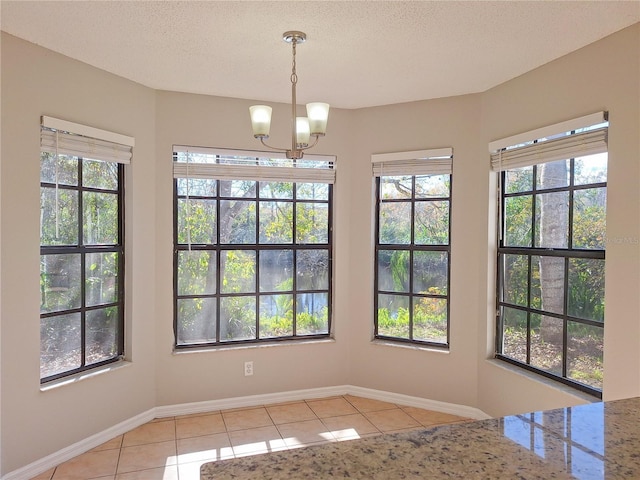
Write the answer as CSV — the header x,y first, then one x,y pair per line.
x,y
175,436
307,403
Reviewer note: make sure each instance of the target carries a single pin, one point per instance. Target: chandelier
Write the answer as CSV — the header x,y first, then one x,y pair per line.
x,y
302,128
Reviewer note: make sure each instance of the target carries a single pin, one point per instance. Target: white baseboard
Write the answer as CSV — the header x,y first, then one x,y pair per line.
x,y
78,448
419,402
248,401
67,453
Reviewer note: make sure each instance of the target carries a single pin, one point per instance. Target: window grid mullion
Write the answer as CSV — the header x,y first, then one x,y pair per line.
x,y
218,263
256,282
411,247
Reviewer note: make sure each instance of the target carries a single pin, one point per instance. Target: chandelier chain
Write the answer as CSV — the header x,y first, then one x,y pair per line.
x,y
294,75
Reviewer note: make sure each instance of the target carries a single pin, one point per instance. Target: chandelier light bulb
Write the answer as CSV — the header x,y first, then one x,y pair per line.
x,y
318,114
260,120
302,132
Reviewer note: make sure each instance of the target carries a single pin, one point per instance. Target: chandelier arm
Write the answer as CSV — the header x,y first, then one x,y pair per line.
x,y
315,142
272,148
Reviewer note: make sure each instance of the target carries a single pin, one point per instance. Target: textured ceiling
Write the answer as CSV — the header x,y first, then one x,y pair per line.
x,y
357,54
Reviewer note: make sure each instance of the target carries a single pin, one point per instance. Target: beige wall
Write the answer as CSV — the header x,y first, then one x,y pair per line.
x,y
36,81
39,82
184,119
602,76
450,122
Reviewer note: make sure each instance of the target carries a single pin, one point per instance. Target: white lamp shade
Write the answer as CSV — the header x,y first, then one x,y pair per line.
x,y
260,120
318,114
302,131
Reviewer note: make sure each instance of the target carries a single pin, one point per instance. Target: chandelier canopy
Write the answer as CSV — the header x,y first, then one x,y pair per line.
x,y
302,128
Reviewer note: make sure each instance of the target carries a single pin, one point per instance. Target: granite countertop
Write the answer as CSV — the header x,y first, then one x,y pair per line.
x,y
594,441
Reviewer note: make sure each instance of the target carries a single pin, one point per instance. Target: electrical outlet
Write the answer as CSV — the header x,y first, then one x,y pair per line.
x,y
248,369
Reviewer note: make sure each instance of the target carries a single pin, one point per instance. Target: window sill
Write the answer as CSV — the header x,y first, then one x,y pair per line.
x,y
78,377
543,380
224,348
411,346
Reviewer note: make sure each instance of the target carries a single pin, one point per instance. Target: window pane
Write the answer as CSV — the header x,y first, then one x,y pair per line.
x,y
237,222
395,223
519,180
393,270
276,190
312,191
552,175
586,288
196,321
430,319
516,279
584,356
396,187
97,174
64,171
514,334
312,223
276,222
517,219
547,283
276,270
546,343
238,271
197,221
101,278
100,218
237,318
552,220
312,313
590,169
276,316
589,218
196,272
237,188
312,269
432,223
430,272
393,316
60,282
60,344
102,334
433,186
58,217
197,187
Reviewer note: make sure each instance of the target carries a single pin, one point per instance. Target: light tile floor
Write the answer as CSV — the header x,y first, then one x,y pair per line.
x,y
174,448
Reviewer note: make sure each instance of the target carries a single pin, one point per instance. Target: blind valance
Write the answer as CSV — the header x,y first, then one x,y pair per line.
x,y
418,162
577,137
569,146
68,138
224,164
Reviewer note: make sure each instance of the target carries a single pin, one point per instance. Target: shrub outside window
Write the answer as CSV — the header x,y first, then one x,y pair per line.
x,y
252,255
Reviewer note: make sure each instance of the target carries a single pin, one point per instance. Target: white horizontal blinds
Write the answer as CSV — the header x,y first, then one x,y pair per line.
x,y
559,144
223,164
419,162
67,138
